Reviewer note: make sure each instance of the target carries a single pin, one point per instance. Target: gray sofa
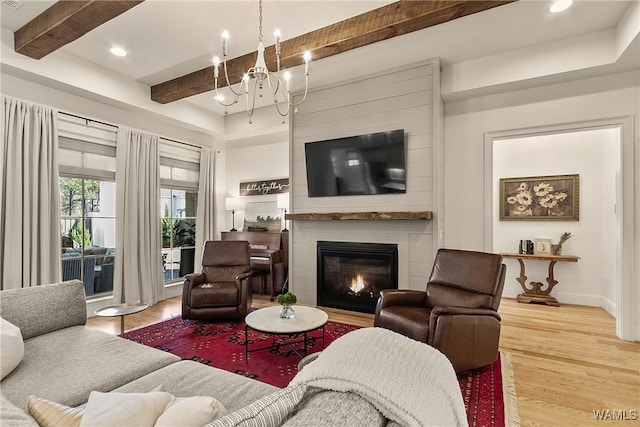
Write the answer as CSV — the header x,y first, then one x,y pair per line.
x,y
356,381
64,360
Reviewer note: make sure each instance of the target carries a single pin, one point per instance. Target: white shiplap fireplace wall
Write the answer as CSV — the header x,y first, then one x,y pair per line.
x,y
405,98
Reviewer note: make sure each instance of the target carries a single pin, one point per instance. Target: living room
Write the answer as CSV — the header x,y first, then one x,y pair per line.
x,y
456,114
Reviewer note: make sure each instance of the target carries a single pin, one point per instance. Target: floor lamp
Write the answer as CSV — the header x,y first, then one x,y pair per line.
x,y
232,204
283,203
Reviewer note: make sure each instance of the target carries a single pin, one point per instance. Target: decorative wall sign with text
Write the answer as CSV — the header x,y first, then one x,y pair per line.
x,y
264,187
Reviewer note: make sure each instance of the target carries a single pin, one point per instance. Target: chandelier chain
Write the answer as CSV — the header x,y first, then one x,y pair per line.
x,y
260,21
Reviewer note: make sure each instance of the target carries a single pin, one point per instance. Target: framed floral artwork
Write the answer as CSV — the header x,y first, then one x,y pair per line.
x,y
540,198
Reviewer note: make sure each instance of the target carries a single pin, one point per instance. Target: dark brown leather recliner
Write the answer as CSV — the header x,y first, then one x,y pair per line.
x,y
458,312
223,289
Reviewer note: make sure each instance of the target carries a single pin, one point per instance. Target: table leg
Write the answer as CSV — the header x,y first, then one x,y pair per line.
x,y
246,343
122,326
536,293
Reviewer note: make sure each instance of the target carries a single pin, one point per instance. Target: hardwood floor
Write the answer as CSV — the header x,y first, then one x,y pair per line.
x,y
567,360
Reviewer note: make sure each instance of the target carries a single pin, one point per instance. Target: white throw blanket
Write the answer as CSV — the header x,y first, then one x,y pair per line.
x,y
409,382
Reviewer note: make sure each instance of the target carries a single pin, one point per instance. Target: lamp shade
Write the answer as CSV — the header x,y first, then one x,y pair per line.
x,y
232,203
283,200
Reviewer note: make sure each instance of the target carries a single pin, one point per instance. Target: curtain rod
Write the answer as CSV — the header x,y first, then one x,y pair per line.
x,y
87,119
116,126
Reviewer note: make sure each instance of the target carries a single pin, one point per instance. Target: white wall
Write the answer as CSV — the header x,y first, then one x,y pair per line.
x,y
252,163
589,281
467,122
395,99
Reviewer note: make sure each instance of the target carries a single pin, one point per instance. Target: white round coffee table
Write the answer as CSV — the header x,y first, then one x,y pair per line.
x,y
268,321
120,310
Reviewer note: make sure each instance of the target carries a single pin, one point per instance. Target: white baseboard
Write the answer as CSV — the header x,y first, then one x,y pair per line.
x,y
609,307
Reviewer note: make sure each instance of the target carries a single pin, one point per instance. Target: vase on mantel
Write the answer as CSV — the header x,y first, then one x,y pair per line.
x,y
556,249
286,312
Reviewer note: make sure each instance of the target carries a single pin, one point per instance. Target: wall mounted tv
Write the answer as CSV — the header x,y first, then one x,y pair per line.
x,y
355,165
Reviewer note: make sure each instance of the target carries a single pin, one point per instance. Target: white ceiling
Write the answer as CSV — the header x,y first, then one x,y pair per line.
x,y
166,39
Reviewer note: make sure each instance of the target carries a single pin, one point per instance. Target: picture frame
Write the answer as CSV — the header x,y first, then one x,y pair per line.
x,y
542,247
540,198
262,216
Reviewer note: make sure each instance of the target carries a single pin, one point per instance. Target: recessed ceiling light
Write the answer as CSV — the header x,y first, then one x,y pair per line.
x,y
118,51
560,5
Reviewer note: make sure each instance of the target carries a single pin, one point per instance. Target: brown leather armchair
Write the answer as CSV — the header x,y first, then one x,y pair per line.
x,y
223,289
458,312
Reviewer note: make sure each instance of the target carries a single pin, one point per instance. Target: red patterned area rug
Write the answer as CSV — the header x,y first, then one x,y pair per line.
x,y
221,344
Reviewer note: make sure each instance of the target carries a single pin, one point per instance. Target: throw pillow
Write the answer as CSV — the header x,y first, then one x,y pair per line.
x,y
52,414
124,409
11,347
191,412
269,411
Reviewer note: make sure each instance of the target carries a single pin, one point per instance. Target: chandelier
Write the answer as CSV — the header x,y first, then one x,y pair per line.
x,y
261,78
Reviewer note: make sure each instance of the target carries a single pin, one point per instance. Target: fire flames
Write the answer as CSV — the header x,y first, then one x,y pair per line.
x,y
357,284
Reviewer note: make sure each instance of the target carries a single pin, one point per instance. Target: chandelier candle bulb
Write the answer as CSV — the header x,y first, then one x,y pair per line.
x,y
225,38
287,80
307,58
277,35
216,65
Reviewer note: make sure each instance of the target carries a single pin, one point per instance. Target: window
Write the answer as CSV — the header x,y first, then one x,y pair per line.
x,y
179,166
88,226
178,232
87,167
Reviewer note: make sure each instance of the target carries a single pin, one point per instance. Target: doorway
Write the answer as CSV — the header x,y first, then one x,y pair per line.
x,y
596,151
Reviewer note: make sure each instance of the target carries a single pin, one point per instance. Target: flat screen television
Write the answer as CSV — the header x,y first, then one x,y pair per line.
x,y
355,165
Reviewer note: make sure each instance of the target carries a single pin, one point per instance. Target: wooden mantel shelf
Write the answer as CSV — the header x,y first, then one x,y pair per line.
x,y
361,216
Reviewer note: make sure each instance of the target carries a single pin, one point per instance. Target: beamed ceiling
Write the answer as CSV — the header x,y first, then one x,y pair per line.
x,y
67,21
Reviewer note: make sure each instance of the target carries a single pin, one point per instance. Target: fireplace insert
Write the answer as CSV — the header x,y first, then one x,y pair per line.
x,y
351,274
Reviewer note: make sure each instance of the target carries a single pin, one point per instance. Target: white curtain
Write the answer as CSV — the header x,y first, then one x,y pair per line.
x,y
138,264
205,214
30,238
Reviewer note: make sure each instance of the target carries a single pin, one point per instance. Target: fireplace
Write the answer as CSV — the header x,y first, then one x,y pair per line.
x,y
351,275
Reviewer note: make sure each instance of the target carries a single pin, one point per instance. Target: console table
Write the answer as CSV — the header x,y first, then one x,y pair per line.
x,y
536,293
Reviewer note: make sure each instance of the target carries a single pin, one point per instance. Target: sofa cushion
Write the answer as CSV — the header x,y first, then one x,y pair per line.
x,y
189,378
12,416
66,365
45,308
11,347
96,251
219,294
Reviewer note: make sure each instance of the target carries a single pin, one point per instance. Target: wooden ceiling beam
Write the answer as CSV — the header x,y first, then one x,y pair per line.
x,y
65,22
389,21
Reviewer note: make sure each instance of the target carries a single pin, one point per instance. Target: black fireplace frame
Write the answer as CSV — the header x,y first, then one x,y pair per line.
x,y
333,248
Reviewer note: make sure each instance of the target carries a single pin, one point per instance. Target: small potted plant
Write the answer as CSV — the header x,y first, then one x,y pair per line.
x,y
287,301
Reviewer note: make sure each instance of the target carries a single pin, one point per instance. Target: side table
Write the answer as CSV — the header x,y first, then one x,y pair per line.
x,y
536,293
120,310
